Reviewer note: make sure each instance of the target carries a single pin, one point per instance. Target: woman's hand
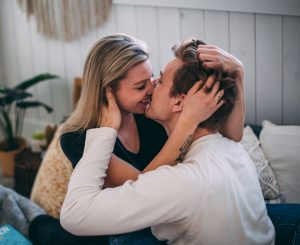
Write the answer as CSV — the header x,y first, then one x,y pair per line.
x,y
220,60
200,104
110,115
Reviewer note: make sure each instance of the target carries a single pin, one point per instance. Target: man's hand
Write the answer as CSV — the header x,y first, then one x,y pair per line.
x,y
220,60
110,115
199,104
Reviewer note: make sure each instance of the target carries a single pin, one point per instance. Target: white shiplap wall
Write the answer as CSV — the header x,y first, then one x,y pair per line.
x,y
267,44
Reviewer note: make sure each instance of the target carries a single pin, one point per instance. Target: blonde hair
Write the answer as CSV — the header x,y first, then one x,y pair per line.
x,y
107,63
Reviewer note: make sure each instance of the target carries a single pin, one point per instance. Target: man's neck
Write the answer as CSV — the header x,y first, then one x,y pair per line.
x,y
199,132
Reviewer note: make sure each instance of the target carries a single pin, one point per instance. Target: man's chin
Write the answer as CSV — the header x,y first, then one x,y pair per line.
x,y
149,113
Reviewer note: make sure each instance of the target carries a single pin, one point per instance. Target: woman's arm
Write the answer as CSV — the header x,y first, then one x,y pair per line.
x,y
218,59
88,209
198,106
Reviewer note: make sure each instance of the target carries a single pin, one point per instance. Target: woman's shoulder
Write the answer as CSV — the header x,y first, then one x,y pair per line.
x,y
151,130
73,138
147,123
72,144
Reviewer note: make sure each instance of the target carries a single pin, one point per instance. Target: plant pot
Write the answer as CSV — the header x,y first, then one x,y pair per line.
x,y
7,158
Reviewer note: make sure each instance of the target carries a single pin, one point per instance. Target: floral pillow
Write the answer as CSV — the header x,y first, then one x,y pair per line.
x,y
267,180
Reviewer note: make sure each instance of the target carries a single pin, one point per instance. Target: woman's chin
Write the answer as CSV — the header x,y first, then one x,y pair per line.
x,y
142,108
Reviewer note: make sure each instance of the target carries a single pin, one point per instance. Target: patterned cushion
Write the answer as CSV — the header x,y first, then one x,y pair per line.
x,y
265,174
52,179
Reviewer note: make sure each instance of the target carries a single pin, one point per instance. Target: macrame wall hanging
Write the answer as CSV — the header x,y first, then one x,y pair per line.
x,y
66,19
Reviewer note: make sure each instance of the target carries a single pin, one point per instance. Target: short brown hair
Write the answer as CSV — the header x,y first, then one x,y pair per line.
x,y
192,71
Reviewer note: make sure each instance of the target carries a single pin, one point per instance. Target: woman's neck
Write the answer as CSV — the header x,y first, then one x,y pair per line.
x,y
128,133
126,119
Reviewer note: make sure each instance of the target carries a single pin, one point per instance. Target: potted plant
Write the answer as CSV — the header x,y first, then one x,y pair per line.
x,y
13,105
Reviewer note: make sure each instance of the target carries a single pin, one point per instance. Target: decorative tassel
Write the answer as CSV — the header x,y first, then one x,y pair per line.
x,y
66,19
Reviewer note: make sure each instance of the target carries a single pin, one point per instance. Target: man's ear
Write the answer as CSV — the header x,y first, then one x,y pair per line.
x,y
178,103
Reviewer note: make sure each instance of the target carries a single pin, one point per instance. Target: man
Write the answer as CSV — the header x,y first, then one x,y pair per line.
x,y
212,197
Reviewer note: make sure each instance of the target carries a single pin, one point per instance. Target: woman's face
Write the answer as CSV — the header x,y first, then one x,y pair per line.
x,y
134,92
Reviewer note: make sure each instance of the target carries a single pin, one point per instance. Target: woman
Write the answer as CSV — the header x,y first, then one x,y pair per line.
x,y
121,63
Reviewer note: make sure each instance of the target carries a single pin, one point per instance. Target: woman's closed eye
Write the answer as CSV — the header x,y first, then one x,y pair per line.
x,y
141,87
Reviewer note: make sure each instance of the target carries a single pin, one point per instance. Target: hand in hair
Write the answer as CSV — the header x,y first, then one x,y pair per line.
x,y
110,115
202,100
220,60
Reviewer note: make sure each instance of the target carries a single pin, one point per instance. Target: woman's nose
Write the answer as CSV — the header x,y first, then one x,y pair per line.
x,y
150,87
154,82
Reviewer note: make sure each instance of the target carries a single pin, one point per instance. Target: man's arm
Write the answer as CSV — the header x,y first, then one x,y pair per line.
x,y
88,209
218,59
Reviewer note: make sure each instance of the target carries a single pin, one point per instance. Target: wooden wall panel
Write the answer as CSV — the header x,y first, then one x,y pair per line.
x,y
110,25
216,28
24,52
168,32
126,19
191,24
146,27
58,87
291,70
269,68
267,45
242,45
40,64
8,42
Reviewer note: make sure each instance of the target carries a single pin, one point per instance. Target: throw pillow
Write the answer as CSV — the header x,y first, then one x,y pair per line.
x,y
281,145
267,180
51,183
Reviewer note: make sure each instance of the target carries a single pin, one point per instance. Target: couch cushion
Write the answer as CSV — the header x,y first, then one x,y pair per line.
x,y
265,174
281,145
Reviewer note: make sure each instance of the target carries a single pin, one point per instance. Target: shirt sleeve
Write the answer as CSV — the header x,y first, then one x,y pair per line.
x,y
155,198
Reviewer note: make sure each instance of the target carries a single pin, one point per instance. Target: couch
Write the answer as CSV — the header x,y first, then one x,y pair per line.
x,y
281,148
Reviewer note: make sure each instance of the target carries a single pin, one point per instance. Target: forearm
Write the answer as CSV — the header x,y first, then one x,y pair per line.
x,y
119,171
173,151
233,126
88,176
89,209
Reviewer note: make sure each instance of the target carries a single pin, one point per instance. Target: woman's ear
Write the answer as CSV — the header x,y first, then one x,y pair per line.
x,y
178,103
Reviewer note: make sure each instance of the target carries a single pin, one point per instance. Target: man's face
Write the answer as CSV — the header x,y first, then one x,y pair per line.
x,y
160,108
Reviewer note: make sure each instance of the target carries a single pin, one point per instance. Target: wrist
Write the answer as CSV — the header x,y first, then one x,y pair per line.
x,y
188,126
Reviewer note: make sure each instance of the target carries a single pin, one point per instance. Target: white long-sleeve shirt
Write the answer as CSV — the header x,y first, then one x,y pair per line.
x,y
212,197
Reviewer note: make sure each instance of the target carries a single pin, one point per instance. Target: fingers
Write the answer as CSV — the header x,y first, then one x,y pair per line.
x,y
210,82
219,96
207,46
215,88
208,57
195,87
110,98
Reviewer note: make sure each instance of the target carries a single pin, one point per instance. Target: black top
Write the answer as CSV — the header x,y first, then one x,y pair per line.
x,y
152,138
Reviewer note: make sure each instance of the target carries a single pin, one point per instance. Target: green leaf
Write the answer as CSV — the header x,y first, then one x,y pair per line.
x,y
12,95
33,104
37,79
